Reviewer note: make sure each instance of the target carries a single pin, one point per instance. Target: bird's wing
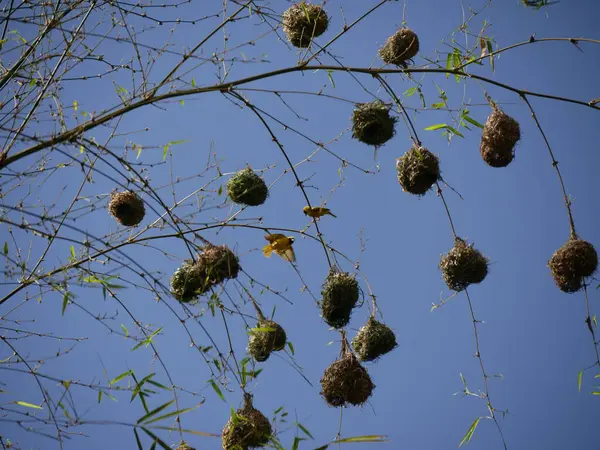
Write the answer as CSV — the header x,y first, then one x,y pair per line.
x,y
287,254
274,237
267,250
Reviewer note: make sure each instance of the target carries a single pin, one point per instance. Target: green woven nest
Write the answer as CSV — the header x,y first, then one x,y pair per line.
x,y
500,135
127,208
267,338
463,265
400,47
340,293
571,263
302,22
250,429
418,170
373,340
247,188
346,382
218,263
372,123
188,282
184,446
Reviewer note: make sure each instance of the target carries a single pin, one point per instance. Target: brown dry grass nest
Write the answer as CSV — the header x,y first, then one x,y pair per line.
x,y
463,265
184,446
372,123
500,135
400,47
373,340
248,429
418,169
127,208
346,381
268,337
340,294
214,265
571,263
247,188
302,22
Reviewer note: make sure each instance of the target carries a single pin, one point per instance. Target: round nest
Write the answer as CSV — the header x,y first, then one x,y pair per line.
x,y
571,263
346,381
188,282
418,169
373,340
500,135
269,338
340,293
184,446
249,429
400,47
302,22
127,208
463,265
218,263
247,188
372,123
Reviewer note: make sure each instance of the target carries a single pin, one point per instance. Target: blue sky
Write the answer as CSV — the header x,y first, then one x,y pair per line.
x,y
532,334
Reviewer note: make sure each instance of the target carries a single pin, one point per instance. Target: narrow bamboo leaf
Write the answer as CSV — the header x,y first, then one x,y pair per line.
x,y
155,411
296,443
217,389
197,433
469,434
595,392
171,414
579,376
438,126
158,385
291,347
119,377
65,303
330,78
455,131
137,440
366,438
5,248
410,92
472,121
125,330
304,430
27,405
99,396
156,438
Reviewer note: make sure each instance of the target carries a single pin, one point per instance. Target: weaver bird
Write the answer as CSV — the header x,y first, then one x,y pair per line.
x,y
281,245
317,212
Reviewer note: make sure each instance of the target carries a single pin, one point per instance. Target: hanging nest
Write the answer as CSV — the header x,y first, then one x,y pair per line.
x,y
184,446
247,188
372,123
249,429
500,135
188,282
270,337
218,263
127,208
571,263
463,265
418,170
373,340
346,381
400,47
340,293
302,22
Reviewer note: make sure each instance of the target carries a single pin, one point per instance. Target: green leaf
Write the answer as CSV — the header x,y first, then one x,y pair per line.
x,y
65,303
193,82
579,376
5,248
469,434
472,121
120,377
99,396
137,440
595,392
158,385
367,438
438,126
27,405
171,414
262,330
304,430
410,92
438,105
291,347
181,102
217,389
156,438
330,78
296,443
73,252
490,51
154,411
455,131
125,330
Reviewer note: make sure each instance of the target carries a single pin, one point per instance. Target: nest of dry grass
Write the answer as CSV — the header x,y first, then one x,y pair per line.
x,y
346,382
267,337
373,340
248,429
463,265
303,22
418,170
184,446
340,294
247,188
400,47
372,123
500,135
127,208
571,263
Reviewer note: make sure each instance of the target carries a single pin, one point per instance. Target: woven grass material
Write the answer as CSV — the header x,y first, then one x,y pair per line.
x,y
372,123
418,170
188,282
463,265
184,446
340,294
249,429
500,135
268,337
571,263
346,382
400,47
302,22
127,208
247,188
373,340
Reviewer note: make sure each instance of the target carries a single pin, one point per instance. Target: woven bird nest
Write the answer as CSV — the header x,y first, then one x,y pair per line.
x,y
418,170
340,293
373,340
188,282
346,382
247,188
302,22
372,123
127,208
400,47
463,265
571,263
184,446
249,429
218,263
267,338
500,135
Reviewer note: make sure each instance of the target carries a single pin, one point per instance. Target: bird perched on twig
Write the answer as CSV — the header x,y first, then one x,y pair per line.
x,y
316,212
281,245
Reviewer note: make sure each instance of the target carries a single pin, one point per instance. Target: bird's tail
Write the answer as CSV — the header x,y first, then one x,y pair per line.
x,y
331,214
267,250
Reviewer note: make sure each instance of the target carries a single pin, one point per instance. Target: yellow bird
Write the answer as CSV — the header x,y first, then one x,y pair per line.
x,y
281,245
317,211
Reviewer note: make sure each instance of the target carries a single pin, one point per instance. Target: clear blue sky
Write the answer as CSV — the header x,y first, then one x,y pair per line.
x,y
532,334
